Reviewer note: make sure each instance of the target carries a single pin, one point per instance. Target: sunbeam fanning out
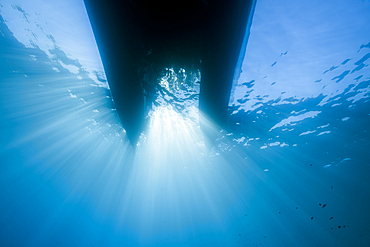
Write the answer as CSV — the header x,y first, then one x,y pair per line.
x,y
168,127
178,193
289,168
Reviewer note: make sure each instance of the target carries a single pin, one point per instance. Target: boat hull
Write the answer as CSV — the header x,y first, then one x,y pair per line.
x,y
132,35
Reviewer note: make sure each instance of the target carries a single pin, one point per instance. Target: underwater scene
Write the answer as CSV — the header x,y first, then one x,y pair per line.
x,y
291,167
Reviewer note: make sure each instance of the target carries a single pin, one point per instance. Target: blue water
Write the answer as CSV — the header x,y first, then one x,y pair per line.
x,y
290,168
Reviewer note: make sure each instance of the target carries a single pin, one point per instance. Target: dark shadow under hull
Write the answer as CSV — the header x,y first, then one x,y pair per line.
x,y
133,34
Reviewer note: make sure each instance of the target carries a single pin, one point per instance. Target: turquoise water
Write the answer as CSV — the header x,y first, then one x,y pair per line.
x,y
290,168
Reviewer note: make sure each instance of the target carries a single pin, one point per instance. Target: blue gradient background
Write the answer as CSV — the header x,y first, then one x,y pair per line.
x,y
291,167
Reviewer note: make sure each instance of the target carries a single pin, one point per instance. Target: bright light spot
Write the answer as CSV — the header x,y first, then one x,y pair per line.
x,y
323,126
307,132
292,119
324,132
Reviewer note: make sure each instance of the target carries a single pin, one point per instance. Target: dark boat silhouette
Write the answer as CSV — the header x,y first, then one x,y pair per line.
x,y
136,34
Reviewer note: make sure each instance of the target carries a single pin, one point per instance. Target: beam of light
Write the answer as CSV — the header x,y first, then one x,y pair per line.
x,y
176,187
70,178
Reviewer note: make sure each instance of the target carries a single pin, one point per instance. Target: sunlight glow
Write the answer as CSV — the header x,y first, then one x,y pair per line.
x,y
70,177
